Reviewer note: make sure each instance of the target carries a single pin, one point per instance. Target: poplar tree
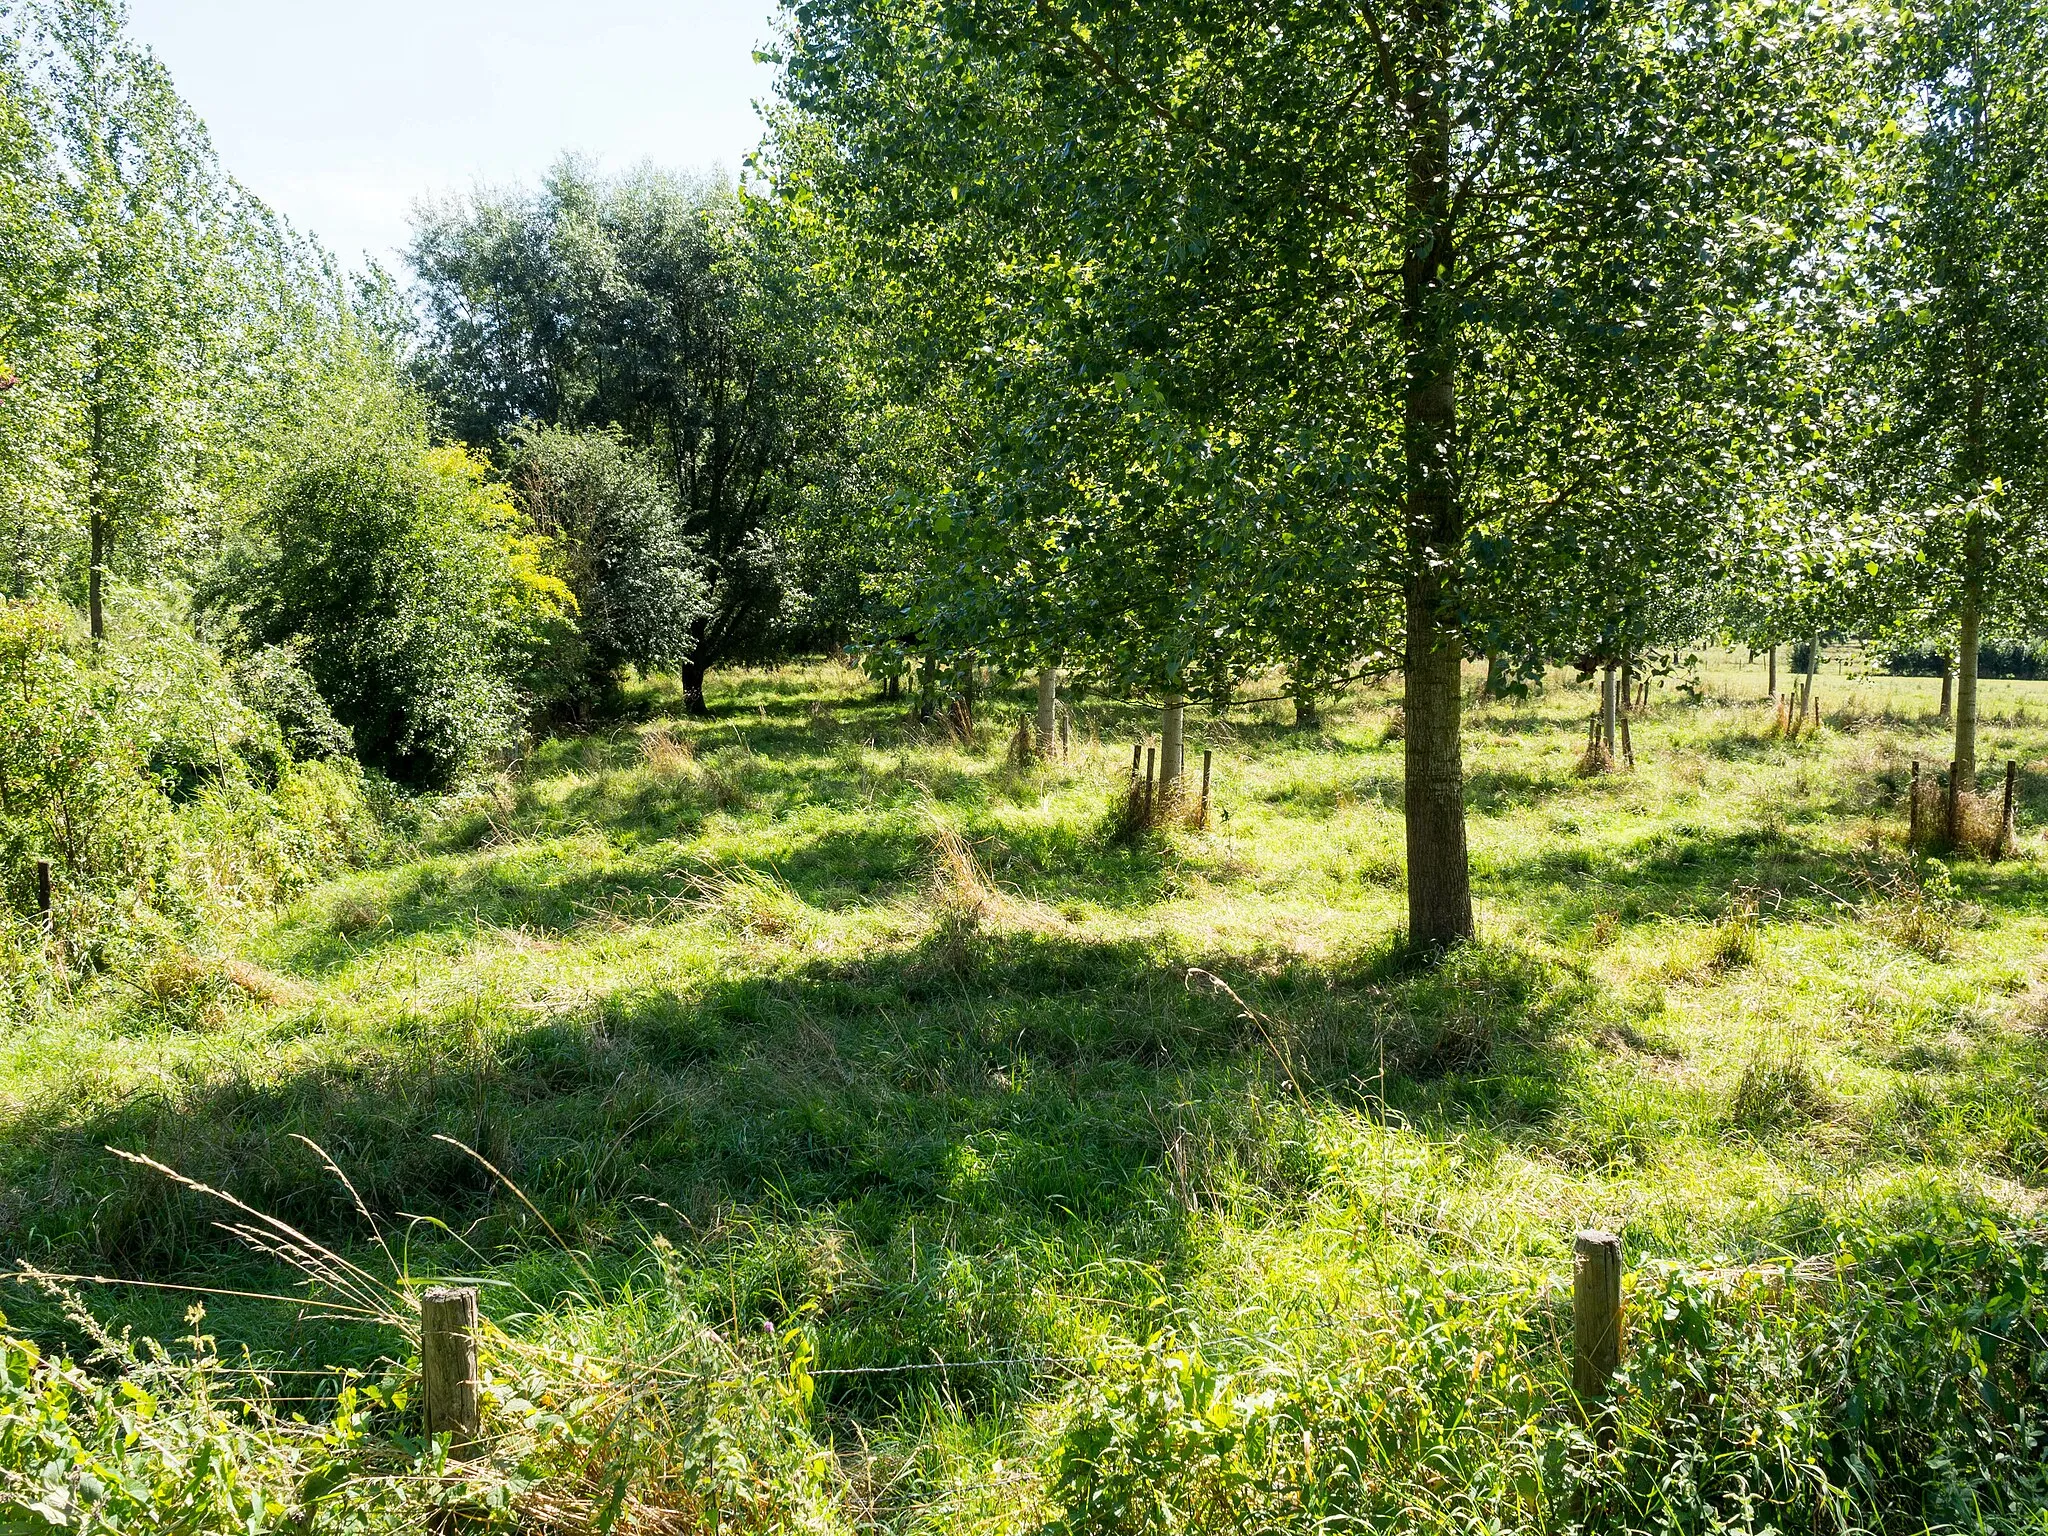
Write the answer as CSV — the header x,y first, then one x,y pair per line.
x,y
1379,254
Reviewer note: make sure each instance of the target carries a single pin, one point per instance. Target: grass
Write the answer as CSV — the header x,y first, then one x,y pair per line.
x,y
876,1057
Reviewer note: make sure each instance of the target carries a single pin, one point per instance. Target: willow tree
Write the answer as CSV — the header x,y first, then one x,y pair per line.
x,y
1952,356
1374,220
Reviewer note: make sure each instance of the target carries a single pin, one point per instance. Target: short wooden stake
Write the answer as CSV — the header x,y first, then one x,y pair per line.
x,y
1628,750
1151,768
1596,1315
1066,742
1913,808
1137,747
45,904
1209,757
448,1373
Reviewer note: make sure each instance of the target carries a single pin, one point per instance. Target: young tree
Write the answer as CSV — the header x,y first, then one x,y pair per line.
x,y
1410,235
1951,362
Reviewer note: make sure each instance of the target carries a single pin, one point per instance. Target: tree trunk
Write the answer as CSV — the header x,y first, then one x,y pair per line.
x,y
1439,869
1948,689
693,689
1439,873
1628,684
927,688
1173,757
94,600
1607,709
1967,642
1048,709
1308,715
1496,675
1774,672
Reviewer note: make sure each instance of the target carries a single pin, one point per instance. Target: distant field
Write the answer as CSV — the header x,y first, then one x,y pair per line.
x,y
962,1143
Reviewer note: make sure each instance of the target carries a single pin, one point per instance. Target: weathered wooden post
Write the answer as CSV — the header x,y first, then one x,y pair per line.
x,y
1151,768
1607,733
2008,833
1913,809
1596,1315
1209,758
1136,748
1628,749
448,1371
45,902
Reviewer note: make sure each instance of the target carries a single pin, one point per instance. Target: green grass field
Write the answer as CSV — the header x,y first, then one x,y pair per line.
x,y
957,1137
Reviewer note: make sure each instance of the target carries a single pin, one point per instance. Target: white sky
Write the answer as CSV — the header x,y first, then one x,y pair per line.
x,y
341,114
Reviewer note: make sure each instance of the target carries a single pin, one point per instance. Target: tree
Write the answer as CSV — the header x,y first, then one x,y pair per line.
x,y
638,580
1950,359
678,312
135,188
1364,255
403,580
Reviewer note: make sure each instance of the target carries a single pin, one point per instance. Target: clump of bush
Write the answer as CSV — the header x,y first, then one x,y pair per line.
x,y
156,790
404,582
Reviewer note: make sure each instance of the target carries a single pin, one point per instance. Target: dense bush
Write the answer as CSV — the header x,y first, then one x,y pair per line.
x,y
160,795
410,589
639,580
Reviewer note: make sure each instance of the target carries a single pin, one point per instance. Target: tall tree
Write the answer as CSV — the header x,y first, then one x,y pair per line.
x,y
1408,238
676,311
1952,353
137,191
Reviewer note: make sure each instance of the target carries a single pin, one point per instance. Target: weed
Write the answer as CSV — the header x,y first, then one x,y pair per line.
x,y
1777,1088
1735,941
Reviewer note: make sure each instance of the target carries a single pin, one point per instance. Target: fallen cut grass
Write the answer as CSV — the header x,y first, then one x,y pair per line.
x,y
886,1170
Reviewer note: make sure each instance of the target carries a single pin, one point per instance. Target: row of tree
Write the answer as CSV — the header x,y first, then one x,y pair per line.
x,y
1203,335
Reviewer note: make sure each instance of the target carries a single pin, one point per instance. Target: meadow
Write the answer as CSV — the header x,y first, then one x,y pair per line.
x,y
865,1136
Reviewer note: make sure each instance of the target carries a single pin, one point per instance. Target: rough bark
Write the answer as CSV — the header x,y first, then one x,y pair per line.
x,y
693,689
1439,870
1308,713
1439,873
1048,709
1173,756
1774,672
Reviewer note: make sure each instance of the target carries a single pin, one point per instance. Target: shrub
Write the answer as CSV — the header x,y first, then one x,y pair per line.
x,y
274,682
640,582
410,589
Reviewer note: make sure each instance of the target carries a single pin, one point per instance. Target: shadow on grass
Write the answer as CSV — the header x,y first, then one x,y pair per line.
x,y
914,1145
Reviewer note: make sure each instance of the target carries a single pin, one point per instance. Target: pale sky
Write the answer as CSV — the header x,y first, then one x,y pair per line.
x,y
342,113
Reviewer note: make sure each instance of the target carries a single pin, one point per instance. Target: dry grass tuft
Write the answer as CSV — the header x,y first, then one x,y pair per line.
x,y
1595,760
355,914
1973,823
961,891
751,901
1736,941
265,986
666,754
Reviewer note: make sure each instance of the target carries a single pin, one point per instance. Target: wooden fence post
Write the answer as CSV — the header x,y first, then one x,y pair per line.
x,y
2007,831
1209,757
1596,1314
1628,750
1913,809
1137,747
45,904
448,1374
1151,768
